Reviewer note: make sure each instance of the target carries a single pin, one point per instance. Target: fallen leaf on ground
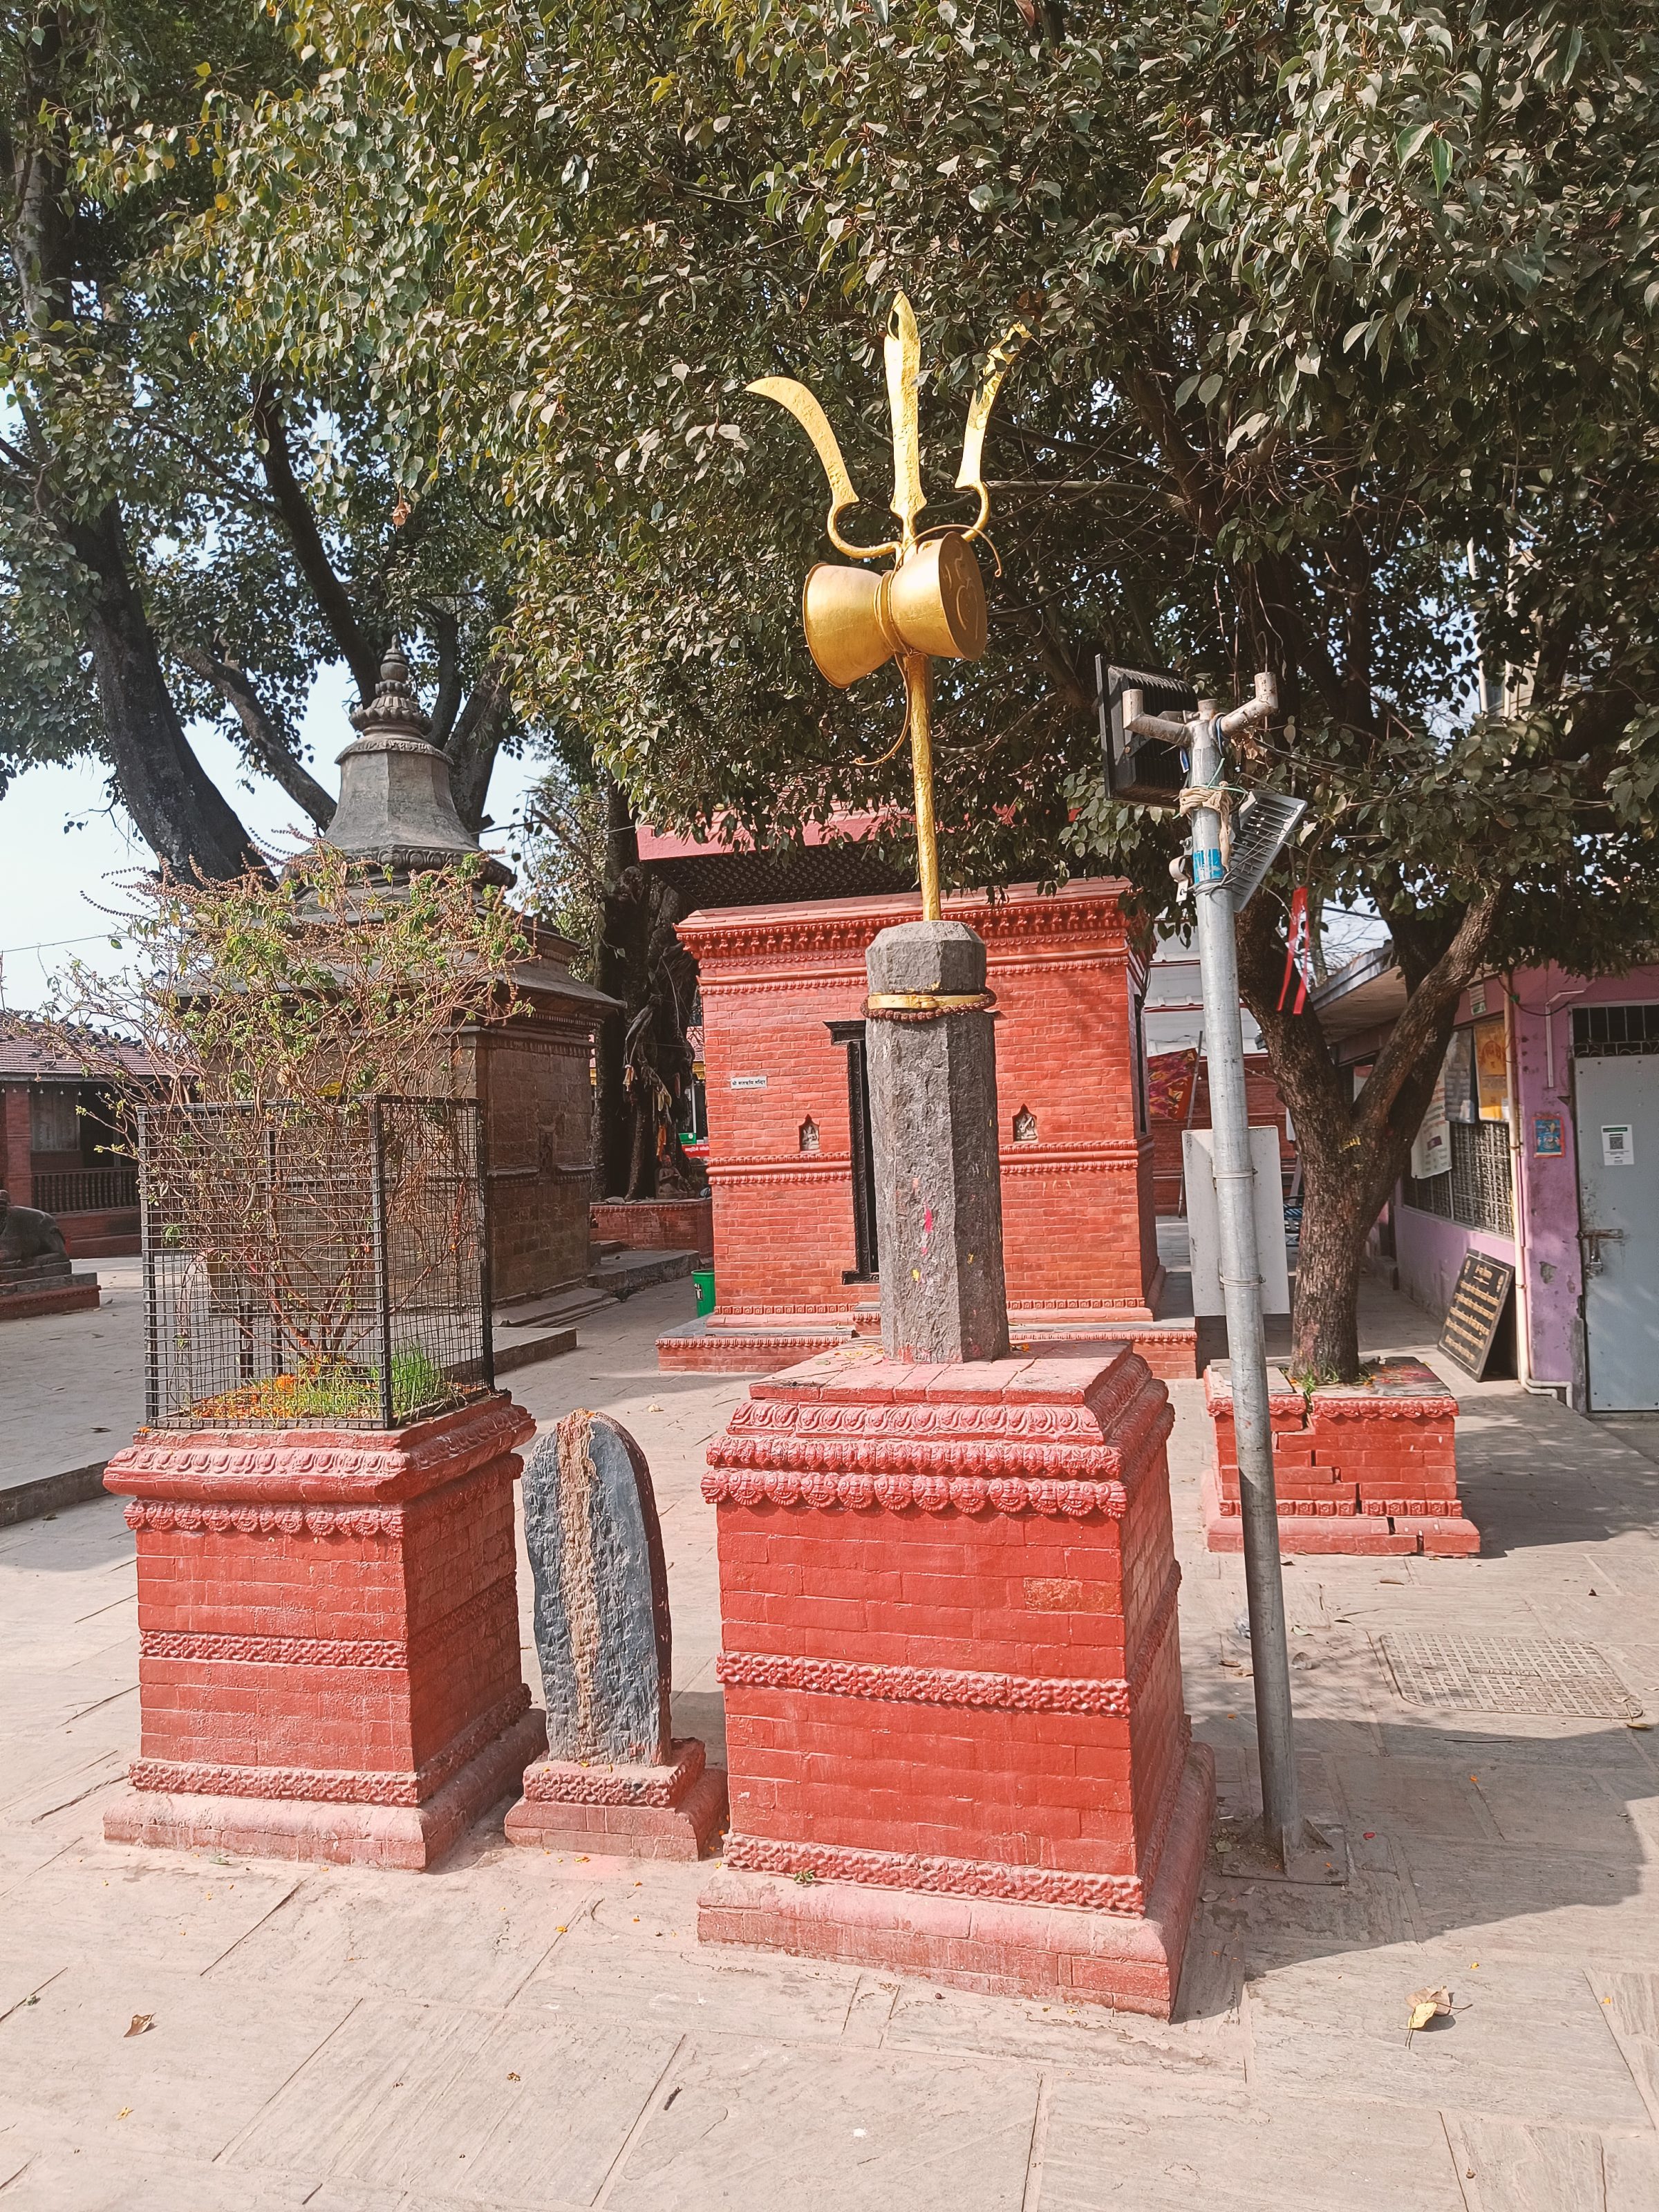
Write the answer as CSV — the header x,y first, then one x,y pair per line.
x,y
1427,2005
140,2020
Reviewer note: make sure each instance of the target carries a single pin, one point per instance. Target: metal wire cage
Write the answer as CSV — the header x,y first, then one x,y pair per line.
x,y
313,1266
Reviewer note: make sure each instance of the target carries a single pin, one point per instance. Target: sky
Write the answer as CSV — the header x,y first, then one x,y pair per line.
x,y
54,876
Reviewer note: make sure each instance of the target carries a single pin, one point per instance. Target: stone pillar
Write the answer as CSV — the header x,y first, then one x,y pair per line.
x,y
933,1119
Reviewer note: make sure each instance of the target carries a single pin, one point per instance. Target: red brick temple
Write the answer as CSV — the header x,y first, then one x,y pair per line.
x,y
795,1265
58,1148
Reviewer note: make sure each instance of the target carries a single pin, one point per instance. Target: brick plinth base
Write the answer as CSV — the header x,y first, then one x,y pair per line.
x,y
637,1811
78,1295
328,1637
995,1945
773,1342
656,1224
111,1233
953,1674
1363,1468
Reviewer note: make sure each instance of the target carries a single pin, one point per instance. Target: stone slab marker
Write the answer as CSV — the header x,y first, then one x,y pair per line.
x,y
931,1050
615,1779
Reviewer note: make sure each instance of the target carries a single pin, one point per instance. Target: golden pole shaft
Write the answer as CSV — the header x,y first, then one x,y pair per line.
x,y
919,700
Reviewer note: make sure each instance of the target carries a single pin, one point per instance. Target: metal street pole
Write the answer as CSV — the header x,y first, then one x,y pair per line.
x,y
1235,1178
1235,1182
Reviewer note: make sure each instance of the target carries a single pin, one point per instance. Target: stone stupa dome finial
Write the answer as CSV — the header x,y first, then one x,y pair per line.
x,y
397,810
394,711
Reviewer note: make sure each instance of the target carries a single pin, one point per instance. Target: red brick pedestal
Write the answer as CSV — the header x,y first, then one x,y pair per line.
x,y
637,1811
329,1637
956,1739
1367,1468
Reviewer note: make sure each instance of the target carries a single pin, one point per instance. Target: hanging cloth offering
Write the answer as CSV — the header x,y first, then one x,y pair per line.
x,y
1298,951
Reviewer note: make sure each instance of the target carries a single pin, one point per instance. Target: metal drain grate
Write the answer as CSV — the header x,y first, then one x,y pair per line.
x,y
1506,1675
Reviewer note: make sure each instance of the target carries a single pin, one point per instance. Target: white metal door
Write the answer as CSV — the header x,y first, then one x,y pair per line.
x,y
1616,1102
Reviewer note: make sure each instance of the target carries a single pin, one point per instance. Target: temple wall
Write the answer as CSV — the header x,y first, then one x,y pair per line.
x,y
1077,1165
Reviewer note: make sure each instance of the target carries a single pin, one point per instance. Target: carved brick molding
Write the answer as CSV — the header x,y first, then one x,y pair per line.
x,y
1008,1458
158,1513
898,1493
1072,915
562,1782
1097,1893
925,1685
330,1786
1436,1410
293,1468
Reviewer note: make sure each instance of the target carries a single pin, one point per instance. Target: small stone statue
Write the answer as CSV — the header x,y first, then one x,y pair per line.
x,y
32,1245
616,1778
602,1627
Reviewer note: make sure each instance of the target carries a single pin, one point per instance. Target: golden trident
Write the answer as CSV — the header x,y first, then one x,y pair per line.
x,y
931,603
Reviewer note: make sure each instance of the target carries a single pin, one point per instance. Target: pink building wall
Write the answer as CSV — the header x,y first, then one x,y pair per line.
x,y
1430,1251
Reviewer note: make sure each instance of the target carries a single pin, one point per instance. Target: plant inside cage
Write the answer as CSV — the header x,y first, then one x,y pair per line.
x,y
312,1237
312,1264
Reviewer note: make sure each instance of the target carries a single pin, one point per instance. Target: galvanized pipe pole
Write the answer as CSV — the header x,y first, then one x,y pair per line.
x,y
1235,1182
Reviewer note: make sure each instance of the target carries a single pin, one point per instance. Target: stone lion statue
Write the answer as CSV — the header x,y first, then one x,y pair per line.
x,y
27,1236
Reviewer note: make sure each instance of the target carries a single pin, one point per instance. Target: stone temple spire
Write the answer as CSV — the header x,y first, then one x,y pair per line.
x,y
397,810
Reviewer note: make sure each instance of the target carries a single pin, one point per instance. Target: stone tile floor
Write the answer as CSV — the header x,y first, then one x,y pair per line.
x,y
73,1384
522,2030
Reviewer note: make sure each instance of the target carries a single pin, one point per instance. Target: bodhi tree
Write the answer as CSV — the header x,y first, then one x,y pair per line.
x,y
1342,364
191,530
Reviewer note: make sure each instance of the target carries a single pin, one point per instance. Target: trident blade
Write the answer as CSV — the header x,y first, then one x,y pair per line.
x,y
979,416
812,419
903,353
816,423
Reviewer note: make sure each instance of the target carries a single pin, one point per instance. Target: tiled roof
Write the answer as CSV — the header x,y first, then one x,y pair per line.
x,y
31,1054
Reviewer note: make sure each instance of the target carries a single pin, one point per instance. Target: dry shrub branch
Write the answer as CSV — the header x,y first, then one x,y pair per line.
x,y
251,1044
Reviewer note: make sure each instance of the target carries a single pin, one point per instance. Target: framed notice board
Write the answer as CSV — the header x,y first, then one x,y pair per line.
x,y
1480,1302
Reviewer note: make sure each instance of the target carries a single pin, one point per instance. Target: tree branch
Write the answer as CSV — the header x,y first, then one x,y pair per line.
x,y
448,632
1426,1018
361,655
267,747
476,739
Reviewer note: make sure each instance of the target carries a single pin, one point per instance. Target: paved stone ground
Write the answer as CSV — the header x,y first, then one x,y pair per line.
x,y
520,2030
73,1383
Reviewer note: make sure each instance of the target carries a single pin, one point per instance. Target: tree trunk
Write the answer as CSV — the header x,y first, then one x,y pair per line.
x,y
473,741
1325,1324
625,937
178,811
267,748
642,1144
1353,1151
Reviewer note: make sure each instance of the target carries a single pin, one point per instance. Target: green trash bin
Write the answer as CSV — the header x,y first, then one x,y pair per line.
x,y
703,1280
